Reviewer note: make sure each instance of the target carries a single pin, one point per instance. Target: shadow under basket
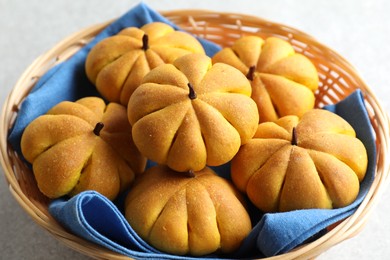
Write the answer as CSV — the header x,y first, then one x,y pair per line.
x,y
337,77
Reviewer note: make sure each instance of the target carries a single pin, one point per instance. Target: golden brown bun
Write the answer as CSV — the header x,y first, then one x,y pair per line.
x,y
117,64
181,215
68,157
283,82
320,167
186,134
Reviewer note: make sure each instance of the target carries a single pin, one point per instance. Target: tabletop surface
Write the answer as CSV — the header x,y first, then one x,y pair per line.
x,y
358,30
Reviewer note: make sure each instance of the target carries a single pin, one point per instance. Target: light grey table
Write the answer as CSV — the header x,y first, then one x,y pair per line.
x,y
357,29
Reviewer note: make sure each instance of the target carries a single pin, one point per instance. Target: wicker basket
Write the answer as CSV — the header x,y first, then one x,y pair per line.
x,y
337,80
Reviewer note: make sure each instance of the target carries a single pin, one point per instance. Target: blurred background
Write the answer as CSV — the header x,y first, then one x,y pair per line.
x,y
358,30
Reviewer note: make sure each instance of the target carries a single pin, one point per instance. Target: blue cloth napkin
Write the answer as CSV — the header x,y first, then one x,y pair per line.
x,y
95,218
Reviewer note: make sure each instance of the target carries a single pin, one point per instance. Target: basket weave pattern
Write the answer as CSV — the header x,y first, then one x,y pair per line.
x,y
337,80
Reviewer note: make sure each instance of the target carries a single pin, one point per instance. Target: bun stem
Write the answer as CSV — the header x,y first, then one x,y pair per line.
x,y
98,127
145,42
192,94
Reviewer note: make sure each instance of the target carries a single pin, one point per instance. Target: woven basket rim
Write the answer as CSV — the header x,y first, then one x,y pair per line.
x,y
67,47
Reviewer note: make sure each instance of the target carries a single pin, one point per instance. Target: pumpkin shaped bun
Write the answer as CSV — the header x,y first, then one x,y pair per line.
x,y
283,82
190,113
315,162
82,145
117,64
179,214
